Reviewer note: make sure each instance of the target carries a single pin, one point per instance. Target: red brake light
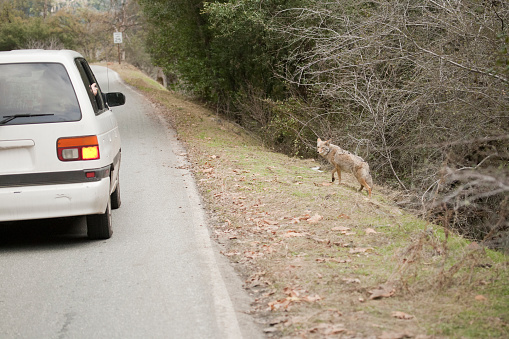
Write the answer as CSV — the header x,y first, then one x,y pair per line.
x,y
78,148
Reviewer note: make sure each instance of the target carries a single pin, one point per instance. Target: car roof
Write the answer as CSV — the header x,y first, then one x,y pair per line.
x,y
38,55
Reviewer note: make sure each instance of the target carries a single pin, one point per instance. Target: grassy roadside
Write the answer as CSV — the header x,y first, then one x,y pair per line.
x,y
322,260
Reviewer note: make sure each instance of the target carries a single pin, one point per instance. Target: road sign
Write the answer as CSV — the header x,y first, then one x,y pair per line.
x,y
117,37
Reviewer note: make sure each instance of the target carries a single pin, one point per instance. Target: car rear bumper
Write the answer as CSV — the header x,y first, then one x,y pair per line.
x,y
52,201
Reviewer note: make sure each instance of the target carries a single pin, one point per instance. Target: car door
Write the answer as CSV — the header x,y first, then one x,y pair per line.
x,y
109,137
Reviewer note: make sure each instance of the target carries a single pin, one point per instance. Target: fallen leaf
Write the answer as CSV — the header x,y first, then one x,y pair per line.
x,y
305,216
316,329
343,216
383,291
335,329
480,298
255,282
328,329
270,222
370,231
270,329
291,292
292,298
208,170
401,315
315,219
252,254
310,299
296,220
291,233
278,304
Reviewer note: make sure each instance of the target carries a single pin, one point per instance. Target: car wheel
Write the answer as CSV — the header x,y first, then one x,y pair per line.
x,y
115,197
99,225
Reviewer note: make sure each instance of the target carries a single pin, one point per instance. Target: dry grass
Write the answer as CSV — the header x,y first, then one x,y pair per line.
x,y
315,255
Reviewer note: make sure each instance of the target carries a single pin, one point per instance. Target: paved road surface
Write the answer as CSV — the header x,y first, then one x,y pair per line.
x,y
157,277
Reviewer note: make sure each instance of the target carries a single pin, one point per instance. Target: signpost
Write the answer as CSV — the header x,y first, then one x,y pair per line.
x,y
117,39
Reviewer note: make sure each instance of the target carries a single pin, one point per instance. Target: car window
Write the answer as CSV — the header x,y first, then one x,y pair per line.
x,y
97,100
36,93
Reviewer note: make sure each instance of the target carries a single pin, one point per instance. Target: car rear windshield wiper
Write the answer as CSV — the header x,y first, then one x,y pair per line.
x,y
12,117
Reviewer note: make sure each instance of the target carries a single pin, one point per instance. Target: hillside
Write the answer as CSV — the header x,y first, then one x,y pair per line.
x,y
321,259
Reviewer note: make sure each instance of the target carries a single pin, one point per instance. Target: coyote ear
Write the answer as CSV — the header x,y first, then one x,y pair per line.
x,y
328,141
319,140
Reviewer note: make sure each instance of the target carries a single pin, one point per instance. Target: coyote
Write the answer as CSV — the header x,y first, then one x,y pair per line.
x,y
345,161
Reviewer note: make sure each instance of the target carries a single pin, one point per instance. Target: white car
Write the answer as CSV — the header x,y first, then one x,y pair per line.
x,y
59,140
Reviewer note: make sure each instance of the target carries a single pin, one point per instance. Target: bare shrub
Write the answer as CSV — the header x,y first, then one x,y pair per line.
x,y
51,43
281,124
412,83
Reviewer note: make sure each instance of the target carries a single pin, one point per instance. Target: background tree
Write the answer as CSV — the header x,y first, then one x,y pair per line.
x,y
224,52
87,29
178,41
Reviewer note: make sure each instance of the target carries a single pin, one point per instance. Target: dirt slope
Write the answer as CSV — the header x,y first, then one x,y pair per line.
x,y
322,260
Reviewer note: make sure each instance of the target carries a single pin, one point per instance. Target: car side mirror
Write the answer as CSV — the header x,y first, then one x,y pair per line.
x,y
115,99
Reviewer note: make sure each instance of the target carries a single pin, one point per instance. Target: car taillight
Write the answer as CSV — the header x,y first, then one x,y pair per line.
x,y
78,148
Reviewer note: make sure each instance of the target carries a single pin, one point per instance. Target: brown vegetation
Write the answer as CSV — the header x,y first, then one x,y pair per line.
x,y
322,260
418,88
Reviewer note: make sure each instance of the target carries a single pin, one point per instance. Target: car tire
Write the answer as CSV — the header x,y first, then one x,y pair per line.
x,y
115,197
99,225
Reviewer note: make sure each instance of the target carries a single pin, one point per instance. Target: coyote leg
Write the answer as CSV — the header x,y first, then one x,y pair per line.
x,y
336,169
361,178
365,184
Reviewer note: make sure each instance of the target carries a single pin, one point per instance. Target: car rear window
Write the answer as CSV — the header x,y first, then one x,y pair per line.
x,y
32,93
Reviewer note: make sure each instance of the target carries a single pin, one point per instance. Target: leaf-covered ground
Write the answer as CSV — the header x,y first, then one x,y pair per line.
x,y
322,260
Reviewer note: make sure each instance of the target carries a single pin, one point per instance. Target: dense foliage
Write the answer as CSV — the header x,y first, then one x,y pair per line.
x,y
419,88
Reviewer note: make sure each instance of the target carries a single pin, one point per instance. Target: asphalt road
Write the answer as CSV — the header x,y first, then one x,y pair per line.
x,y
159,276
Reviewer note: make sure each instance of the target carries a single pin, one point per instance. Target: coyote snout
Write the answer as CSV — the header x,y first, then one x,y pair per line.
x,y
345,161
